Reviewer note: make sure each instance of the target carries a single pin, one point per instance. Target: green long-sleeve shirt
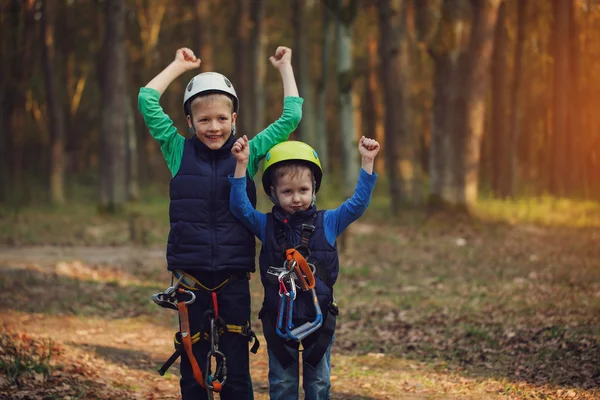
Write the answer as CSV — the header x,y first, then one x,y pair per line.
x,y
171,143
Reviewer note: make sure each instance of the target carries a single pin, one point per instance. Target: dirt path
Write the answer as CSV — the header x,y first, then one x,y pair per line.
x,y
113,340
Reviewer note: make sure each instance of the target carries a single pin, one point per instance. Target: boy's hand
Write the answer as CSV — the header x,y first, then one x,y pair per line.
x,y
186,59
241,150
368,148
282,57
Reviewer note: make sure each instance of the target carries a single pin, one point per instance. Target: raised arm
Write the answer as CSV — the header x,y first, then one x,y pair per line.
x,y
185,60
159,124
239,204
336,221
280,130
282,60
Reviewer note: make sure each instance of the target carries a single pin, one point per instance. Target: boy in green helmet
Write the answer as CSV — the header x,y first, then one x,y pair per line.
x,y
298,260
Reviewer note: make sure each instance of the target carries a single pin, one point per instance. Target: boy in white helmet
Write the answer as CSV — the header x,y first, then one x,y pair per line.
x,y
209,252
298,260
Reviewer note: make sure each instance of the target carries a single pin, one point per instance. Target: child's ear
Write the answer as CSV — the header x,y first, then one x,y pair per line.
x,y
233,118
191,129
273,192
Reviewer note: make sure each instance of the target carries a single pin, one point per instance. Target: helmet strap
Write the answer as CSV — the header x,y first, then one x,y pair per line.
x,y
232,129
273,196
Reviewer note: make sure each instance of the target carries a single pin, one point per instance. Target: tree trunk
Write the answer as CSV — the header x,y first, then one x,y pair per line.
x,y
446,49
499,137
259,65
322,145
561,98
345,80
374,112
133,171
389,49
17,31
516,103
485,14
56,117
306,128
203,36
241,80
462,59
113,189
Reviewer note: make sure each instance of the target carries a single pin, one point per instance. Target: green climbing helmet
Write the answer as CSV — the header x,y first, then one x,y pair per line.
x,y
291,151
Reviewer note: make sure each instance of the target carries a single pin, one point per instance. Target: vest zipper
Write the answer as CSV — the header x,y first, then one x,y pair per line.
x,y
212,214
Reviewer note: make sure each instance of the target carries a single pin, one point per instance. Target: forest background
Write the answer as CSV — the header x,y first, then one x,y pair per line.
x,y
474,273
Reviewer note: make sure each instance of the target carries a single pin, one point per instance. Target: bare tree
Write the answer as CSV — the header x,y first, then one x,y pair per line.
x,y
203,36
306,128
345,15
401,142
54,104
113,190
461,52
499,134
321,117
242,58
17,31
259,65
561,99
516,102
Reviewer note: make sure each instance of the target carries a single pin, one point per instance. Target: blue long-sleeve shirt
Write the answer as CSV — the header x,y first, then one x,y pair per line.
x,y
335,221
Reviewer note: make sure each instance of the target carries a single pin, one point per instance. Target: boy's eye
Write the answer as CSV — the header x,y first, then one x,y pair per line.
x,y
304,189
224,118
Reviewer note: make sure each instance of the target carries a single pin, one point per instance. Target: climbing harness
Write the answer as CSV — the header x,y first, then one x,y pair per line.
x,y
280,333
215,359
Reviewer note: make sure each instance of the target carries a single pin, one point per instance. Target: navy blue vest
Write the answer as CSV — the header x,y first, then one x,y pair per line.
x,y
205,236
321,252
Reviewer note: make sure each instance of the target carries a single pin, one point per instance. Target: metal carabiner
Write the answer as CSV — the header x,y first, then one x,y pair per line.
x,y
190,293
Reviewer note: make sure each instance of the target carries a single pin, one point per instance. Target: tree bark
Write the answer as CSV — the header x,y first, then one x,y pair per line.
x,y
401,143
17,33
241,80
499,135
462,59
259,65
516,103
113,188
204,31
345,80
56,117
306,128
561,98
322,144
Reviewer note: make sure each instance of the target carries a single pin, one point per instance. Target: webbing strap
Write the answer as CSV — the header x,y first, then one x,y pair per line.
x,y
303,271
322,341
308,229
186,338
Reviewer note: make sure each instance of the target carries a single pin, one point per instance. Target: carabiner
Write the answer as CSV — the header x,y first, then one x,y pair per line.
x,y
188,292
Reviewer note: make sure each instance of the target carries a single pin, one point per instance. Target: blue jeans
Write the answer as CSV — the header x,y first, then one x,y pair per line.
x,y
284,383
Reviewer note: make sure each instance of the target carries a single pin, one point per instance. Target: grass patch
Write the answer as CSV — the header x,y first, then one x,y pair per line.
x,y
23,357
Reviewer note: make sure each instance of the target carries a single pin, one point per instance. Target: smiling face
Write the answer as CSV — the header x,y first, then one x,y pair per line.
x,y
294,188
212,118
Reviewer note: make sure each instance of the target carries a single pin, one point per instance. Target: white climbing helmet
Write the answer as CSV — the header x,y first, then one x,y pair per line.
x,y
209,82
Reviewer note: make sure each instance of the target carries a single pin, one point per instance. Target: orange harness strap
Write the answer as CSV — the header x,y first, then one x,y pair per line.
x,y
186,339
301,267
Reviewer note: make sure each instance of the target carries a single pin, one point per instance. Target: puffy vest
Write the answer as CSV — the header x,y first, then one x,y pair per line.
x,y
204,235
322,253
